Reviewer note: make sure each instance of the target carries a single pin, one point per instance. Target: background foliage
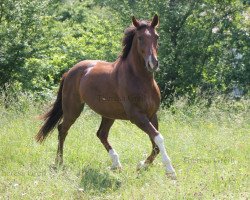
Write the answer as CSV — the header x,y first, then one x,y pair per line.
x,y
204,44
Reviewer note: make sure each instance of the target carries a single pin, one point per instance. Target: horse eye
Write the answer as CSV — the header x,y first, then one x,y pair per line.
x,y
140,39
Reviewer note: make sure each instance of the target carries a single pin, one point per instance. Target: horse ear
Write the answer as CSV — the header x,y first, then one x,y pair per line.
x,y
135,22
155,21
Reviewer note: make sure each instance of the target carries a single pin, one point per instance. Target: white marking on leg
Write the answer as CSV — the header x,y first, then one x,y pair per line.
x,y
115,159
142,165
159,140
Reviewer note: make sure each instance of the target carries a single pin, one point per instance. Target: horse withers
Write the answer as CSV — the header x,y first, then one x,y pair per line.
x,y
123,89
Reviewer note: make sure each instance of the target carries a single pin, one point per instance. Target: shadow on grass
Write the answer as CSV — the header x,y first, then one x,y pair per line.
x,y
95,181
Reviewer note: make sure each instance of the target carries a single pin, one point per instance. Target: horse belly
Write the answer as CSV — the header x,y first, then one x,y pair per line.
x,y
108,108
99,94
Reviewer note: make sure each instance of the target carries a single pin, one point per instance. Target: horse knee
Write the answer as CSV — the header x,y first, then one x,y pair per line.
x,y
100,134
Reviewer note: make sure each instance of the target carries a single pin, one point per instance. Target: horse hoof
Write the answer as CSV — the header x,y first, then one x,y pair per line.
x,y
116,168
171,175
56,167
58,162
142,165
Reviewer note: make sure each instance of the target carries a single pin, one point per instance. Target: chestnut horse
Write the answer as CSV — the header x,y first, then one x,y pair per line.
x,y
124,89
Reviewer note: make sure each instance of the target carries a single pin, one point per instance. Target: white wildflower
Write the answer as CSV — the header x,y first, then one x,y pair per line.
x,y
238,56
215,29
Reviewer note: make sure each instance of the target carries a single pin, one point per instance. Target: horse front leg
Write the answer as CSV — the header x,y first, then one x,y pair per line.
x,y
155,149
146,125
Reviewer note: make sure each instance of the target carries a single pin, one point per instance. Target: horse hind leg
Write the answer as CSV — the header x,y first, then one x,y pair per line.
x,y
71,112
102,134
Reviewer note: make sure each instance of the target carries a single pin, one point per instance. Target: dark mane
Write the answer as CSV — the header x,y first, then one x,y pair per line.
x,y
129,34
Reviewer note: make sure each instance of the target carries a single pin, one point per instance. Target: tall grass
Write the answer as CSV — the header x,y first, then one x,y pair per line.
x,y
209,148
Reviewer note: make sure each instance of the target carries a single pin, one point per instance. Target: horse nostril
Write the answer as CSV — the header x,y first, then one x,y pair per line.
x,y
156,63
148,64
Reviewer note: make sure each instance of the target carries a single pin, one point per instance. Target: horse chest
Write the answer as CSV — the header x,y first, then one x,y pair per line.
x,y
146,99
150,103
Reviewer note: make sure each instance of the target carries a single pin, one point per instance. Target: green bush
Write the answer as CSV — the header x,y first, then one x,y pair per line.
x,y
204,45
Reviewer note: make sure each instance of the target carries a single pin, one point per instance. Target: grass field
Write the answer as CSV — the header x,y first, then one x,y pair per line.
x,y
209,149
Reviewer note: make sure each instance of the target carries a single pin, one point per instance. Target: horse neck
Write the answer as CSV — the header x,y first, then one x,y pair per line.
x,y
137,63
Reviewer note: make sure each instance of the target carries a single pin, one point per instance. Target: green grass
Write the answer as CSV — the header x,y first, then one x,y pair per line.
x,y
209,149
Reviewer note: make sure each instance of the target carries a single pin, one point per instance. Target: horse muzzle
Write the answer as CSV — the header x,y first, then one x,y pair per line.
x,y
152,64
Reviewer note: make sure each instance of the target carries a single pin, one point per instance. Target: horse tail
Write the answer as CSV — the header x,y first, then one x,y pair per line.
x,y
52,117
